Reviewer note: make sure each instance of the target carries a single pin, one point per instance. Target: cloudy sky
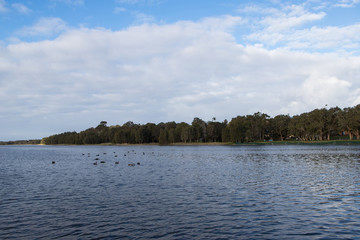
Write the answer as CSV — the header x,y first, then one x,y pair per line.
x,y
66,65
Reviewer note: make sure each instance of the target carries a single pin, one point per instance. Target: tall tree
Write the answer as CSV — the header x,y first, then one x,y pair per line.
x,y
349,121
332,122
199,129
163,138
214,131
239,129
317,123
280,125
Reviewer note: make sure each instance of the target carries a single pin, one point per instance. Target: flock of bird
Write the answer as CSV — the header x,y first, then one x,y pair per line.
x,y
98,160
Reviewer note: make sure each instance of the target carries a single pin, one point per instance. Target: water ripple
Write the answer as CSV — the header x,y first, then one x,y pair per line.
x,y
271,192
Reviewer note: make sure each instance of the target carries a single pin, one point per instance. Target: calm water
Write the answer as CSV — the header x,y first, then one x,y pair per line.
x,y
254,192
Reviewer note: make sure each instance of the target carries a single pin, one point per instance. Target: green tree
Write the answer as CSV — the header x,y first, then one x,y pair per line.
x,y
214,131
317,123
182,132
332,122
280,125
163,138
349,121
199,129
239,129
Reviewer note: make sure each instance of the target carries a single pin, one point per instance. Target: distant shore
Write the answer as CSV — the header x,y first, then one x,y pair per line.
x,y
21,142
325,142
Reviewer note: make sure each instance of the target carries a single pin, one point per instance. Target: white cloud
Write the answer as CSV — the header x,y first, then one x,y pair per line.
x,y
347,3
317,89
44,27
21,8
228,23
141,18
118,10
330,37
276,20
295,18
154,73
293,27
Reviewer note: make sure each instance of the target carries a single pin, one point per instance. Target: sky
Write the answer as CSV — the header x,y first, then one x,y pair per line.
x,y
66,65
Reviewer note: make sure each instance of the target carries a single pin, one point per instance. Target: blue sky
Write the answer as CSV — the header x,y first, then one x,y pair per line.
x,y
66,65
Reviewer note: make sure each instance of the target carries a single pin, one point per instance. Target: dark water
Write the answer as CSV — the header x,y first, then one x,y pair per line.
x,y
266,192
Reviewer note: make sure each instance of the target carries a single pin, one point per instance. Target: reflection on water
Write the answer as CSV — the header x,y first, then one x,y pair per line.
x,y
242,192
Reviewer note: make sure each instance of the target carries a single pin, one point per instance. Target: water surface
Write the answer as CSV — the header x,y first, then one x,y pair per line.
x,y
182,192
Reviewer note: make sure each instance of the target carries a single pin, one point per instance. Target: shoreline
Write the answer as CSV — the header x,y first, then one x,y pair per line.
x,y
325,142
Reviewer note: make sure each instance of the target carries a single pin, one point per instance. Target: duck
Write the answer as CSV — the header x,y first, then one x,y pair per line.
x,y
95,163
116,162
131,164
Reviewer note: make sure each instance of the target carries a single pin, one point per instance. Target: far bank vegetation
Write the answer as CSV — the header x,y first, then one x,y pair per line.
x,y
317,125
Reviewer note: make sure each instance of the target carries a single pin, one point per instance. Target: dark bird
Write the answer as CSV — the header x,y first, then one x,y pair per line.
x,y
102,161
116,162
53,162
138,163
95,163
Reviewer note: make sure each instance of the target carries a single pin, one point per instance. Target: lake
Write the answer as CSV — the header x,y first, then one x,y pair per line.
x,y
180,192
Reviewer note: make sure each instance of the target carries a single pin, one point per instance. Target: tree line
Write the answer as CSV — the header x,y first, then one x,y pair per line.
x,y
21,142
317,125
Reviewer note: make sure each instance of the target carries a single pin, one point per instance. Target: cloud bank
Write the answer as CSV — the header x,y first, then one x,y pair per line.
x,y
155,73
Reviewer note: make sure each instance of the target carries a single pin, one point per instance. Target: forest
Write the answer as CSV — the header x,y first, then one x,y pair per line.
x,y
318,125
